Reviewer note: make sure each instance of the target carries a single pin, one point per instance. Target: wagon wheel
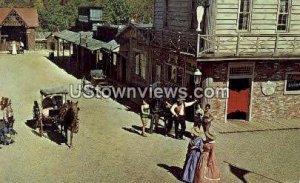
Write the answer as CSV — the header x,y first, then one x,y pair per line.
x,y
40,125
35,110
83,83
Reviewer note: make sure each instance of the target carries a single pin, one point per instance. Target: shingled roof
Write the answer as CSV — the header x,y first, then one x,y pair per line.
x,y
29,15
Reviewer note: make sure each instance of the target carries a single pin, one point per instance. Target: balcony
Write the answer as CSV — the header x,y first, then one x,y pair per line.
x,y
280,45
248,45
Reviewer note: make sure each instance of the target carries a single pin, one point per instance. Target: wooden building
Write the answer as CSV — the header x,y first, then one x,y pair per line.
x,y
18,24
89,18
250,47
45,41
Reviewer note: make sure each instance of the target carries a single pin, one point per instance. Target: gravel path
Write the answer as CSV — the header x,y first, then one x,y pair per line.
x,y
104,151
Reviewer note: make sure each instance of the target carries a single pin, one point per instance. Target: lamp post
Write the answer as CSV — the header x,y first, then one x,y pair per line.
x,y
197,77
197,81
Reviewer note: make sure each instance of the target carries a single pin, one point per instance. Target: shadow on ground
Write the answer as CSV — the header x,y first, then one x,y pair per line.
x,y
240,173
174,170
52,132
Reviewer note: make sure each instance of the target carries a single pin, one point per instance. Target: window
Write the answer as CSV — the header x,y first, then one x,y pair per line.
x,y
292,83
283,15
244,15
95,14
140,65
174,74
166,13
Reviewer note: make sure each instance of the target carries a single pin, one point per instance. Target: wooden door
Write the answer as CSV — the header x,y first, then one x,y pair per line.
x,y
239,99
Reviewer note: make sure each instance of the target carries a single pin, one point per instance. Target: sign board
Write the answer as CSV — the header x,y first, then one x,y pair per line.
x,y
292,83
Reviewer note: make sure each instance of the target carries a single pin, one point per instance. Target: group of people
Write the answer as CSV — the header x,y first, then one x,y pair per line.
x,y
173,113
6,123
200,165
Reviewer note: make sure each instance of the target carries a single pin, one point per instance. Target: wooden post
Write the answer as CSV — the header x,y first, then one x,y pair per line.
x,y
294,44
58,48
238,45
198,44
257,44
0,34
63,49
276,44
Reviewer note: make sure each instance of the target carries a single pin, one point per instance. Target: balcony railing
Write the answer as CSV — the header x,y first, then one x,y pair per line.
x,y
169,40
222,45
248,45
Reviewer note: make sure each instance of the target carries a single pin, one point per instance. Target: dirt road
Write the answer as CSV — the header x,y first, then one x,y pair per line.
x,y
104,151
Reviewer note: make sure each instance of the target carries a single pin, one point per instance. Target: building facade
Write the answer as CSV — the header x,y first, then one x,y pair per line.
x,y
248,47
18,24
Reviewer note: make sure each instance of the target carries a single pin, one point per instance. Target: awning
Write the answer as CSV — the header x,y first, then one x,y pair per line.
x,y
52,91
83,39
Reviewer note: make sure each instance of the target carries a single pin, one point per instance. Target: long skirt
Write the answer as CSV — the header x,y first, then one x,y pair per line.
x,y
190,166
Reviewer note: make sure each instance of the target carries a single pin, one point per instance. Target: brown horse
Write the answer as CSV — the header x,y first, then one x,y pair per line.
x,y
68,116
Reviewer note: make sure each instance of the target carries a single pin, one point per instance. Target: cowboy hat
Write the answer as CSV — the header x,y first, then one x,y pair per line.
x,y
180,99
210,136
196,131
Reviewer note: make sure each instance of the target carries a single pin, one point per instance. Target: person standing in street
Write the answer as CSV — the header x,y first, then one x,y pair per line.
x,y
168,118
198,116
178,110
207,169
156,109
145,112
192,156
207,118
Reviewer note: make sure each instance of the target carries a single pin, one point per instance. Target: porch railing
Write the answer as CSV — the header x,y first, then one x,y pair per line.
x,y
245,45
222,45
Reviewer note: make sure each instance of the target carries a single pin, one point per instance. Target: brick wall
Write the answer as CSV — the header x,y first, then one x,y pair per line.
x,y
217,71
278,105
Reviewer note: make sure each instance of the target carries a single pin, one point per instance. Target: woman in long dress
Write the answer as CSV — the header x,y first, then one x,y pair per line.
x,y
207,170
192,156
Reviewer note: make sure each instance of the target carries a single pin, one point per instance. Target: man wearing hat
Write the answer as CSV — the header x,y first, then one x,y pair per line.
x,y
178,110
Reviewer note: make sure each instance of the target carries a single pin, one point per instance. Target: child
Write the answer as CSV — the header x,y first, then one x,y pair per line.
x,y
145,112
207,118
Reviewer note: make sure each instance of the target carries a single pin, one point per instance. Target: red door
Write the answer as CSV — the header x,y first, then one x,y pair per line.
x,y
239,99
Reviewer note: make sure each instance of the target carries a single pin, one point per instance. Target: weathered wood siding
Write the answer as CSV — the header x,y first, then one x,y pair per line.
x,y
264,17
179,15
263,23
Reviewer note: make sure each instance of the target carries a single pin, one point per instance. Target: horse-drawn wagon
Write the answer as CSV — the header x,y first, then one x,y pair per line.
x,y
96,78
56,110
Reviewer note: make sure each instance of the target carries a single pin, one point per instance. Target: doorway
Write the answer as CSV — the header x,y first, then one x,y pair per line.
x,y
239,99
124,64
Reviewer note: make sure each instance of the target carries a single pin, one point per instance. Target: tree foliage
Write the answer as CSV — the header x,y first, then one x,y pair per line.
x,y
57,15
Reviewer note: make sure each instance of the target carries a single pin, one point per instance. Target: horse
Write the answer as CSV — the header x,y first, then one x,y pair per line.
x,y
68,116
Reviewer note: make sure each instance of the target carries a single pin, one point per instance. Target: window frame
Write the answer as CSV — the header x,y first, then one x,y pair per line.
x,y
288,16
249,18
141,68
296,92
